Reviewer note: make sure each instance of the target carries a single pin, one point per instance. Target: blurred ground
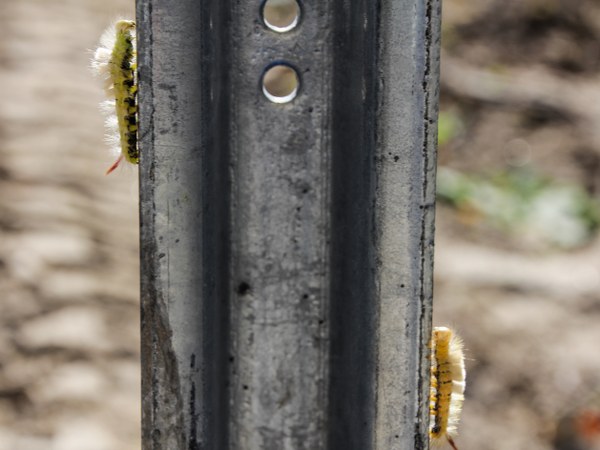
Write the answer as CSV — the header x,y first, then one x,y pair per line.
x,y
521,88
521,84
69,320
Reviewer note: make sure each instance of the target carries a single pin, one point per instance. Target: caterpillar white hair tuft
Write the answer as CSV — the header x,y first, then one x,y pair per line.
x,y
447,385
115,62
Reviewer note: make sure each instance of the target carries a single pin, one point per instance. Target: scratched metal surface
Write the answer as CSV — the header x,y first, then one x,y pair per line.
x,y
286,248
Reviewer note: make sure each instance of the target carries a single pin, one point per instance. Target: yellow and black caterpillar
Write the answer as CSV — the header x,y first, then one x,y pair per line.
x,y
447,385
115,61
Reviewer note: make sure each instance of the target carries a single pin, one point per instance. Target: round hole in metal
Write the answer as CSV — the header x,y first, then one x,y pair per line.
x,y
281,15
280,83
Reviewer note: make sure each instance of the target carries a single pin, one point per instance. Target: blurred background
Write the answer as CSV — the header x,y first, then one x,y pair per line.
x,y
69,314
517,264
517,254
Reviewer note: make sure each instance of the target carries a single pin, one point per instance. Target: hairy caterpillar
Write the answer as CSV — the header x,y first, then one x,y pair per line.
x,y
115,60
447,385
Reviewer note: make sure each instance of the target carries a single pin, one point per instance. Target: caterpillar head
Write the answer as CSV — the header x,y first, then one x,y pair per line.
x,y
124,26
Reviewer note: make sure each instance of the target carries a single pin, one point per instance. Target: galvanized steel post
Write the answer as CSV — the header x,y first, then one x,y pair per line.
x,y
287,248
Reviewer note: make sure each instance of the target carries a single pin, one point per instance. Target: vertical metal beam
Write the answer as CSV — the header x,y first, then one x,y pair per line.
x,y
280,228
287,248
408,66
184,91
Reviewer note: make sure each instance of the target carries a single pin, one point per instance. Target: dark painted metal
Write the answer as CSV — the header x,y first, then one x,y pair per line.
x,y
287,248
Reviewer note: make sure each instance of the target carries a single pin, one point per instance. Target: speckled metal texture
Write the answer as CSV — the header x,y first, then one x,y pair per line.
x,y
287,248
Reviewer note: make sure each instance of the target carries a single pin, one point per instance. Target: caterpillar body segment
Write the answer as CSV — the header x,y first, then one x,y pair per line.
x,y
115,60
447,385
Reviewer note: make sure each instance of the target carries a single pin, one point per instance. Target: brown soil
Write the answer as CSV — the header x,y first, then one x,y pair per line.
x,y
522,72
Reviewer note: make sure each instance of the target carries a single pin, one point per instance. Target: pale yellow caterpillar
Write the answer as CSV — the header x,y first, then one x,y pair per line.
x,y
115,60
447,385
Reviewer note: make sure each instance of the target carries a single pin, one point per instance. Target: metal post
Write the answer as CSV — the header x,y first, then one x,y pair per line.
x,y
287,248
